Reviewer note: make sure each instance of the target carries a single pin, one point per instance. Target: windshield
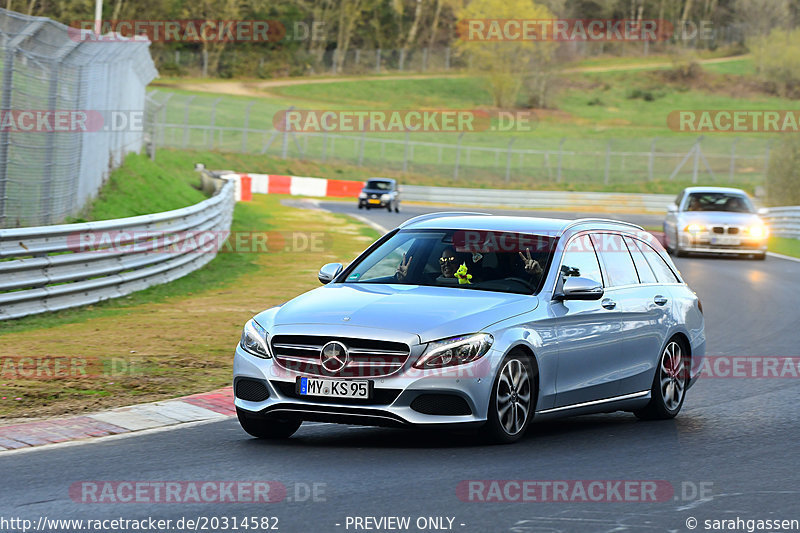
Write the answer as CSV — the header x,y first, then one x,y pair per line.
x,y
461,259
718,201
381,185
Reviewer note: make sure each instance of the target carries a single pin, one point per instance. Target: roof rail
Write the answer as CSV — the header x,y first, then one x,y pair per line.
x,y
440,214
606,220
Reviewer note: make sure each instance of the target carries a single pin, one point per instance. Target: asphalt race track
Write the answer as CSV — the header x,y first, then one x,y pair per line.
x,y
732,452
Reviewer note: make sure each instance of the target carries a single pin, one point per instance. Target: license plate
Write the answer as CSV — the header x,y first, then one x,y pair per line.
x,y
336,388
374,201
726,241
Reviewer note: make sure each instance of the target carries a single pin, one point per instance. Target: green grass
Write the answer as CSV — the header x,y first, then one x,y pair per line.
x,y
785,246
113,203
141,187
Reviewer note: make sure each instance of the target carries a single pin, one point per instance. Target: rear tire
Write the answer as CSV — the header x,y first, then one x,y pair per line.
x,y
396,208
513,400
669,383
267,428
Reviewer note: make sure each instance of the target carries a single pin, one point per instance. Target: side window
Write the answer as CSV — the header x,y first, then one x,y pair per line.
x,y
646,274
661,269
679,198
619,265
580,260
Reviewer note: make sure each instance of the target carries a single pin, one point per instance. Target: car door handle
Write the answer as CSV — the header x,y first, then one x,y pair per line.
x,y
608,303
660,300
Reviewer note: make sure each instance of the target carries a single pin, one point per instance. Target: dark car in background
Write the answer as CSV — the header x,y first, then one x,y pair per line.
x,y
380,192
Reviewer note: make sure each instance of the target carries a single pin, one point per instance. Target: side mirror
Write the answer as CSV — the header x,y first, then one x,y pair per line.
x,y
328,272
577,288
763,211
672,208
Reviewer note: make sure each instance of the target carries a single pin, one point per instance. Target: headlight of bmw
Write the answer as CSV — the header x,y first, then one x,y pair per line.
x,y
254,340
455,351
757,231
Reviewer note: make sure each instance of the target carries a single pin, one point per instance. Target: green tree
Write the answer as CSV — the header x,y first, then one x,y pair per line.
x,y
504,63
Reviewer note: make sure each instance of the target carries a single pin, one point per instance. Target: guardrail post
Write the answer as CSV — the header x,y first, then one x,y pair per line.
x,y
508,159
246,124
458,155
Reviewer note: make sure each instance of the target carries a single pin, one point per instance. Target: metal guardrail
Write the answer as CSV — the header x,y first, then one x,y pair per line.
x,y
784,221
44,268
558,200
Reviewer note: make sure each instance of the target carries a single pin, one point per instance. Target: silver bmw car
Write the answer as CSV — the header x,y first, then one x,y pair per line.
x,y
465,319
717,220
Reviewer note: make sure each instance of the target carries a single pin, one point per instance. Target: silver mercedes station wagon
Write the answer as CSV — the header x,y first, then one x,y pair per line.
x,y
465,319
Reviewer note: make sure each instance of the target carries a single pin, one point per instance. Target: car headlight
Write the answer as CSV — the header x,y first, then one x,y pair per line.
x,y
362,195
254,340
757,232
694,228
385,197
455,351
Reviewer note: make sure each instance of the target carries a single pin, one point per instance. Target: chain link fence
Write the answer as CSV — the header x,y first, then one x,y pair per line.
x,y
488,158
71,110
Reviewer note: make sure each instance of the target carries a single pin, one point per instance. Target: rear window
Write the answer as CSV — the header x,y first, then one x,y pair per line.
x,y
660,267
646,274
617,260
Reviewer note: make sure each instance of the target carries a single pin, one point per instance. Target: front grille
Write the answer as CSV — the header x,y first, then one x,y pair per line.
x,y
251,390
718,229
441,404
379,396
733,231
366,357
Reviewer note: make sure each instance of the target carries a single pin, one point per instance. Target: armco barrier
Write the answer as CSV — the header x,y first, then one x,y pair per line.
x,y
784,221
558,200
41,271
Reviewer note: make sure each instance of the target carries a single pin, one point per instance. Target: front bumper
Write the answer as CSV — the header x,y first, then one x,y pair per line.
x,y
392,398
701,243
366,203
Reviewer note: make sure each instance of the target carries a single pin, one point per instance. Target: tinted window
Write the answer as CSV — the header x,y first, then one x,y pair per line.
x,y
642,267
380,185
581,260
662,270
617,260
717,201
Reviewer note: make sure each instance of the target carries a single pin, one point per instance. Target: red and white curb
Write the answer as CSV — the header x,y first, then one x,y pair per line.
x,y
249,184
209,406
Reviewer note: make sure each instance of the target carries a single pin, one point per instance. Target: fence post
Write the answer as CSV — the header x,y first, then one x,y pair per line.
x,y
402,59
608,162
5,105
285,141
424,59
358,56
508,159
361,150
766,162
163,110
447,58
378,61
458,155
324,145
696,163
732,169
651,161
186,120
205,63
560,157
246,124
213,121
405,154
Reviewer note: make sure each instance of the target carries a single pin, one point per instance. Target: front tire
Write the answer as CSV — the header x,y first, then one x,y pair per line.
x,y
669,384
513,400
266,428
